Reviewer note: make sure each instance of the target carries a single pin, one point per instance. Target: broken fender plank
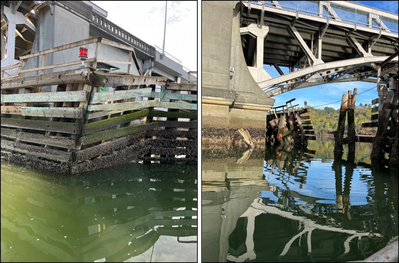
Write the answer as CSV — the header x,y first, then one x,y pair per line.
x,y
110,79
56,78
174,96
102,149
115,133
124,106
11,110
37,151
63,127
171,114
178,105
101,97
62,142
66,96
178,124
74,113
112,122
180,86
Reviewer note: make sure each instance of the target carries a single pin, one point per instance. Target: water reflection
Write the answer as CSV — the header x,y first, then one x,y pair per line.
x,y
135,212
297,207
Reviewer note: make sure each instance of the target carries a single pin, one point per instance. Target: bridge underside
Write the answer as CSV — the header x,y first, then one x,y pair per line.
x,y
317,48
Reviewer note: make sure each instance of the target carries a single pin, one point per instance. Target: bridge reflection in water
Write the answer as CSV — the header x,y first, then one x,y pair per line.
x,y
296,207
135,212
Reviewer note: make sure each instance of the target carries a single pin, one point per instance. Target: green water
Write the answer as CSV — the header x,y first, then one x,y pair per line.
x,y
134,213
298,205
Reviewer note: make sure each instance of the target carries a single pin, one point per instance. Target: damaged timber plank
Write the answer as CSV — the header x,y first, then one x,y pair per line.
x,y
103,149
178,105
66,96
61,142
171,114
74,113
63,127
123,106
93,127
38,151
115,133
101,97
110,80
56,78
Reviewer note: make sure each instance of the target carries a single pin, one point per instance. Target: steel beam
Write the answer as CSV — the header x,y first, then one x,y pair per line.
x,y
265,85
357,46
304,46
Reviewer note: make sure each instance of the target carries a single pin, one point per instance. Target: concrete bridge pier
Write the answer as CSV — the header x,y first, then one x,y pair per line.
x,y
231,98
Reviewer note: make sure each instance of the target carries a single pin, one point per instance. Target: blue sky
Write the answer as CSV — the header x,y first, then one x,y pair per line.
x,y
319,96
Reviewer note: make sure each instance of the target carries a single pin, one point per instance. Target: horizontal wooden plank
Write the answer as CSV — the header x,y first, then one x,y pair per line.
x,y
93,127
307,127
63,127
178,124
369,124
180,86
57,66
102,149
11,110
305,117
10,67
101,97
171,114
113,61
62,96
174,96
112,79
59,48
309,132
58,141
124,106
375,101
374,117
56,78
37,151
115,44
177,105
116,133
66,112
307,122
375,109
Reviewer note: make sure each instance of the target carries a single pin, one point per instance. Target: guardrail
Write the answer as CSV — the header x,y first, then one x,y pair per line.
x,y
122,34
342,12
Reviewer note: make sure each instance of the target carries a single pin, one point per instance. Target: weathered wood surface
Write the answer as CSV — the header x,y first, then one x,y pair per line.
x,y
116,133
124,106
173,96
65,96
58,141
102,149
110,79
180,86
66,46
56,78
57,66
66,112
93,127
177,124
63,127
11,110
171,114
47,153
177,105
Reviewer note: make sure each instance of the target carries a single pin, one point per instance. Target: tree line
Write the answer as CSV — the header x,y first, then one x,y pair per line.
x,y
325,121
